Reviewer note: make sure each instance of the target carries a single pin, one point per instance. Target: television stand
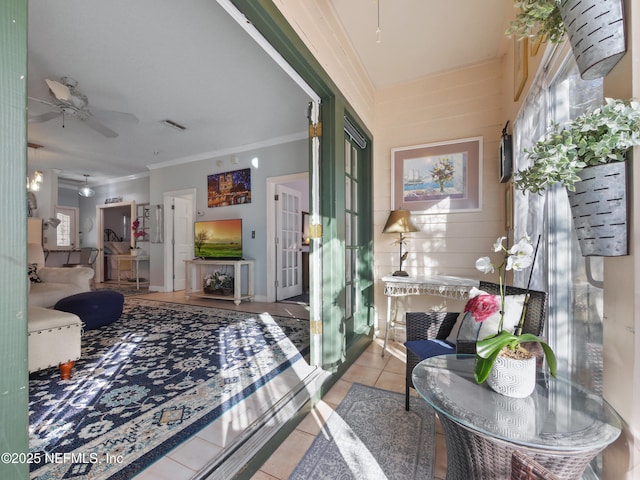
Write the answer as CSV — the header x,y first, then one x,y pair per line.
x,y
196,269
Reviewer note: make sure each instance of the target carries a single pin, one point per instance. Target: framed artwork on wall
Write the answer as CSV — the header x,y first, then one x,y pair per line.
x,y
442,177
520,66
229,188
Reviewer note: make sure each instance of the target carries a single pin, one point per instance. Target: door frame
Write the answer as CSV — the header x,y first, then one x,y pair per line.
x,y
99,263
187,194
272,182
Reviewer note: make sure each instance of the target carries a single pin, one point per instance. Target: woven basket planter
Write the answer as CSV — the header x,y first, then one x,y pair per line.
x,y
596,33
599,210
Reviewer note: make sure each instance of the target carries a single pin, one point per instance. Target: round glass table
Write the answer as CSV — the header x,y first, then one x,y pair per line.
x,y
561,425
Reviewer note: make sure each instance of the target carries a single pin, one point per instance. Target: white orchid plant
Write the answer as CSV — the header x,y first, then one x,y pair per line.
x,y
517,258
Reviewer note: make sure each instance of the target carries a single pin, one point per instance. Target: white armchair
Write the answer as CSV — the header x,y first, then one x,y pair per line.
x,y
56,282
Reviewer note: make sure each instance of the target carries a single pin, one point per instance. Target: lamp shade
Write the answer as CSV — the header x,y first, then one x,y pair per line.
x,y
52,222
399,221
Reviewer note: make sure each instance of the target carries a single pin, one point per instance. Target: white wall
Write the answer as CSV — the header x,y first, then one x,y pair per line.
x,y
316,24
453,105
622,288
278,160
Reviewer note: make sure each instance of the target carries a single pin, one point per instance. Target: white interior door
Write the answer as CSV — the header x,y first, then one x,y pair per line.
x,y
288,243
183,239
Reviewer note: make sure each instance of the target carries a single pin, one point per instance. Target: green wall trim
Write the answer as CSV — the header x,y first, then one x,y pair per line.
x,y
13,239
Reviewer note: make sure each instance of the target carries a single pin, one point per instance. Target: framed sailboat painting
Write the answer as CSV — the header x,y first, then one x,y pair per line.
x,y
442,177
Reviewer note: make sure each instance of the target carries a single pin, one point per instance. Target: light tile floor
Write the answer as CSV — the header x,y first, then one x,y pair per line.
x,y
370,368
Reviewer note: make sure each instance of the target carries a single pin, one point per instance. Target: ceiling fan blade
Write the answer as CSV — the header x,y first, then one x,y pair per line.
x,y
113,116
39,100
62,92
43,117
100,128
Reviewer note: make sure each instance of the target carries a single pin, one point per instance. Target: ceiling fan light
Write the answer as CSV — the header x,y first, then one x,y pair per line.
x,y
35,186
38,176
86,192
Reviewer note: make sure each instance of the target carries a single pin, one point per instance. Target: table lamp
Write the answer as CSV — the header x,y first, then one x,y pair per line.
x,y
399,221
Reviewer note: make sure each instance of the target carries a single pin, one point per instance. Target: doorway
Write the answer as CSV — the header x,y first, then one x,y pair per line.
x,y
179,208
281,262
114,227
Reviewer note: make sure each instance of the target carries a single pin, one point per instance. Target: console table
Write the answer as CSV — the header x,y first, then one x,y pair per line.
x,y
561,424
196,267
455,288
134,259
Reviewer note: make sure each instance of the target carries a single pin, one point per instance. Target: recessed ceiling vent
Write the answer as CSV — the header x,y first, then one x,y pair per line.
x,y
171,123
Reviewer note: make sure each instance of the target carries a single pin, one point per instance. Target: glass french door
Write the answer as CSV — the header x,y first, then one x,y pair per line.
x,y
289,246
356,213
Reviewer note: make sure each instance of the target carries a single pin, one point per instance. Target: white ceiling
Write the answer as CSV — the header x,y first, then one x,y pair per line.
x,y
191,63
423,37
155,59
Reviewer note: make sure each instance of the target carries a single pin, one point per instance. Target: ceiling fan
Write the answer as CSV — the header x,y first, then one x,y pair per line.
x,y
68,101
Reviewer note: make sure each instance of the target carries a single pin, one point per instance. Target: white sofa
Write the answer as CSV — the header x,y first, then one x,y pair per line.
x,y
56,282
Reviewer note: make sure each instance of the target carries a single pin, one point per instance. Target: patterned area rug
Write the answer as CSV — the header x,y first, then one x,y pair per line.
x,y
149,381
126,289
371,435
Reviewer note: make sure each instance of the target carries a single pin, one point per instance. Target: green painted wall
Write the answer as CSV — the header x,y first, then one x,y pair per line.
x,y
13,239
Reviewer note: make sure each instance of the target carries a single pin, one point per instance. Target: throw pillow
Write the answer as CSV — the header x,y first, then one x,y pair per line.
x,y
33,273
481,317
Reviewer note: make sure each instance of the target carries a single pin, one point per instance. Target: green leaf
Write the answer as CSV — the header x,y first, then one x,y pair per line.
x,y
488,349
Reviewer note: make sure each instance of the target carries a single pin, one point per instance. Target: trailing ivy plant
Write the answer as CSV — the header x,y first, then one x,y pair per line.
x,y
594,138
537,19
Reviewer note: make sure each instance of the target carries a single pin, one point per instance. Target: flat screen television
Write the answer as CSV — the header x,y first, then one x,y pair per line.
x,y
218,239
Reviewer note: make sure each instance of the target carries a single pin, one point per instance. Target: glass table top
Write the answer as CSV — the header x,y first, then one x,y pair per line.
x,y
558,415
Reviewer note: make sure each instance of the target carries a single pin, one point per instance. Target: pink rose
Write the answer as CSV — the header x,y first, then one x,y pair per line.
x,y
483,306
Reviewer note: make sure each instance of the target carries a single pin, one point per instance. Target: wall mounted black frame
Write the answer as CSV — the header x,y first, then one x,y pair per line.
x,y
505,158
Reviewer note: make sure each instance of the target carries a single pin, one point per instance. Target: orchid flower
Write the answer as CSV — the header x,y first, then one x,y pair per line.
x,y
484,265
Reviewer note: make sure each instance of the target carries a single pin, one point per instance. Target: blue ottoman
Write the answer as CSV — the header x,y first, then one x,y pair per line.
x,y
95,309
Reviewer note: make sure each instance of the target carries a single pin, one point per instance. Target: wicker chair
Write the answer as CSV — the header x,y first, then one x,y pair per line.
x,y
430,326
524,467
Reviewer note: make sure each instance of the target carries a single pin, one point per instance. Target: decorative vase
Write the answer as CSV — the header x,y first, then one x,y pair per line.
x,y
513,377
599,210
596,34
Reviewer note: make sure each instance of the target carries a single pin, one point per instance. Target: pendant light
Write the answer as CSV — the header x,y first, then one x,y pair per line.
x,y
86,191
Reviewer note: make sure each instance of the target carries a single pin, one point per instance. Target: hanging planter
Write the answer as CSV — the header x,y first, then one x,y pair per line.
x,y
595,29
589,157
599,210
596,34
